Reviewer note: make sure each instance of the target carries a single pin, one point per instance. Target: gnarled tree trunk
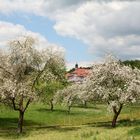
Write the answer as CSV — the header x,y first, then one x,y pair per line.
x,y
51,105
21,110
20,121
116,114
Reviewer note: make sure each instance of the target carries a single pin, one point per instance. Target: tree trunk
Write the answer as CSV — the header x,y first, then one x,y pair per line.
x,y
85,104
21,110
51,104
69,107
114,120
116,114
20,121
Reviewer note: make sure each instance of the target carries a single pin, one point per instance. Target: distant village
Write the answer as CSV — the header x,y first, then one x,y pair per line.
x,y
78,74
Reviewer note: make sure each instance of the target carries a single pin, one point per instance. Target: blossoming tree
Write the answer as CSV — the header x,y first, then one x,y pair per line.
x,y
70,95
47,88
20,68
114,83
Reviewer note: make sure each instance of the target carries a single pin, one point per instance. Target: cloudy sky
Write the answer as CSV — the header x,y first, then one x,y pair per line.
x,y
84,29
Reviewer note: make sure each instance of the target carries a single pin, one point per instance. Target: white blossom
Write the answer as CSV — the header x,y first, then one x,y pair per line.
x,y
114,82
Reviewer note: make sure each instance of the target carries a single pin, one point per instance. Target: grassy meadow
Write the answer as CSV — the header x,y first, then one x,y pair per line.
x,y
91,123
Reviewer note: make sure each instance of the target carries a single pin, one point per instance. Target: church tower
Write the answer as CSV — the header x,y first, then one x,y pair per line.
x,y
76,66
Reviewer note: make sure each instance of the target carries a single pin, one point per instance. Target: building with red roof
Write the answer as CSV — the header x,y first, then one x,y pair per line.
x,y
77,75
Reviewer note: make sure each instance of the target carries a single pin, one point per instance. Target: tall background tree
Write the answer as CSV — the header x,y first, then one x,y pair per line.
x,y
132,63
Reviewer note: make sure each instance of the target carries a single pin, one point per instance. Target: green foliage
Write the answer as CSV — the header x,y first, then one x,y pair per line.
x,y
47,90
57,67
132,63
71,70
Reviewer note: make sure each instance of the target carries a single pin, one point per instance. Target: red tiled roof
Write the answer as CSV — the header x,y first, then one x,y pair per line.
x,y
81,72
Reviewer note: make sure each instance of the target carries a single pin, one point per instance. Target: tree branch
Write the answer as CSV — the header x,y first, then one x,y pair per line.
x,y
27,104
6,71
14,105
19,44
39,74
121,105
114,110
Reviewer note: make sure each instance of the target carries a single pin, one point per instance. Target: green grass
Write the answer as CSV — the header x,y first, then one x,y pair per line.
x,y
92,123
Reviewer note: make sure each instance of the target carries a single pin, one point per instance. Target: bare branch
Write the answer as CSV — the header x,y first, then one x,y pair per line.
x,y
27,104
38,76
19,44
114,109
121,105
14,104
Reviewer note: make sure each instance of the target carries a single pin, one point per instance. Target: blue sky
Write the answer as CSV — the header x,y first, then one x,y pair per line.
x,y
86,30
76,50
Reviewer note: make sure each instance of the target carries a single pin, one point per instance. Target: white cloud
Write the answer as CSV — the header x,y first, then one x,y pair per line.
x,y
37,7
29,6
105,25
9,31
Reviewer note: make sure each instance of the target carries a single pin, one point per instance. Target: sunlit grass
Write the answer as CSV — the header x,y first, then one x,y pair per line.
x,y
93,123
